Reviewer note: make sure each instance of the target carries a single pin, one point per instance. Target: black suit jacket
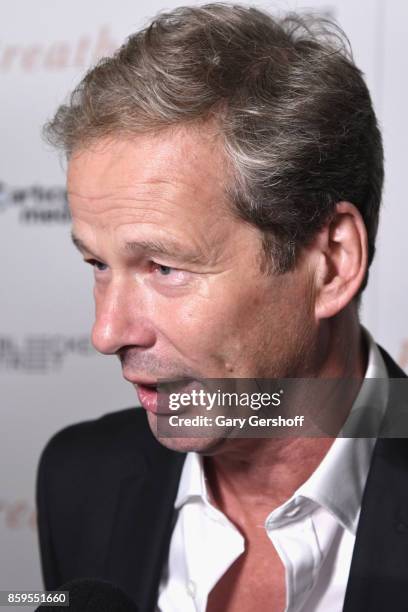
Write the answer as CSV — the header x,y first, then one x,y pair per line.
x,y
105,495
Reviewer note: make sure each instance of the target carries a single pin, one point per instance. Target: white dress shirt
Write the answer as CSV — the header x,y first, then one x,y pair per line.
x,y
313,532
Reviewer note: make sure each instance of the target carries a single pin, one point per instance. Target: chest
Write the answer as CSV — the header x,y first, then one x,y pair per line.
x,y
255,581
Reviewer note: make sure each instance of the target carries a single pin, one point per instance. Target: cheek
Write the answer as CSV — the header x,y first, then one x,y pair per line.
x,y
223,329
265,332
192,320
232,329
202,327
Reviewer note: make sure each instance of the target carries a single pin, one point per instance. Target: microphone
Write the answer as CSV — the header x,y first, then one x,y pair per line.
x,y
89,595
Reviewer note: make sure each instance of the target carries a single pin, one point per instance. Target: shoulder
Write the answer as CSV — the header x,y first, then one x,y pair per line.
x,y
103,430
118,438
82,473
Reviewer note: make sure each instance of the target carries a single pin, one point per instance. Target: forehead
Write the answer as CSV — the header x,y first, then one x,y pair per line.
x,y
172,164
164,188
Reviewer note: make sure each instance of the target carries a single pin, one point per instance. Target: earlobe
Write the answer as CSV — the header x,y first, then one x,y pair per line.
x,y
343,261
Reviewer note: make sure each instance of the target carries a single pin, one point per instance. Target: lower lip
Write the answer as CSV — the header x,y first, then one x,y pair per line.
x,y
148,398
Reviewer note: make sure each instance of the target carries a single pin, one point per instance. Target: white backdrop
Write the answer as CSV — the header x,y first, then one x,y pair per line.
x,y
49,374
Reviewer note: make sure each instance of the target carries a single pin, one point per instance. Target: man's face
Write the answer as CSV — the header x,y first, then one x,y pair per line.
x,y
179,289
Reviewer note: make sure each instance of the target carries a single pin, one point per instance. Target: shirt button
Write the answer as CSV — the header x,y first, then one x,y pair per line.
x,y
191,588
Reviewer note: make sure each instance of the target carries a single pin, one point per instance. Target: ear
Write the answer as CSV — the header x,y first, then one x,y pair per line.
x,y
341,249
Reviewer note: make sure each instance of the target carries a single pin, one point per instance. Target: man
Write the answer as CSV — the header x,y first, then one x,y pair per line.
x,y
224,177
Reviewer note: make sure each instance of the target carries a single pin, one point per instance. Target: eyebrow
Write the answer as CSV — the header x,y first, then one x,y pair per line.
x,y
80,244
154,247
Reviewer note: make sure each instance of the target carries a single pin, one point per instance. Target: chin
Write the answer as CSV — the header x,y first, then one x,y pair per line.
x,y
203,445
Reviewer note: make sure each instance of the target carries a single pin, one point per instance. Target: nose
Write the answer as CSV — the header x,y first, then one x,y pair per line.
x,y
121,319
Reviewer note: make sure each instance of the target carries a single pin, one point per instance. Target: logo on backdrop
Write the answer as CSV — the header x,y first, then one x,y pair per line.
x,y
57,55
40,354
36,204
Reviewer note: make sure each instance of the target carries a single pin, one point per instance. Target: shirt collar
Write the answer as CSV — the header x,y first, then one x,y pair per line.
x,y
338,482
192,482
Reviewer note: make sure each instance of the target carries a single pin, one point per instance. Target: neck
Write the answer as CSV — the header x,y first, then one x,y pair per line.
x,y
263,473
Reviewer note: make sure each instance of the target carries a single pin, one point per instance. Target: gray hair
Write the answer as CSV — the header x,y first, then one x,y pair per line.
x,y
294,112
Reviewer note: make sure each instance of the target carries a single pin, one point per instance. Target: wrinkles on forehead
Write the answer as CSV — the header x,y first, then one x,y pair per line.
x,y
158,195
193,161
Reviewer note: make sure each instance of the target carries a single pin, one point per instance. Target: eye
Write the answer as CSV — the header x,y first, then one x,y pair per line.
x,y
98,265
164,270
166,276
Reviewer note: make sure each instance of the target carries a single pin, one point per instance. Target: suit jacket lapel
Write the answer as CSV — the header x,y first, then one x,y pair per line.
x,y
378,578
142,526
